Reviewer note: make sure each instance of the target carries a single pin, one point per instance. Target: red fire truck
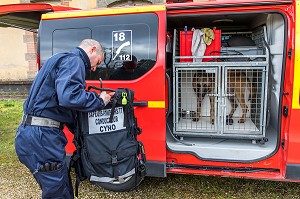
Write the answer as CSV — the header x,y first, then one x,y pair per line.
x,y
218,83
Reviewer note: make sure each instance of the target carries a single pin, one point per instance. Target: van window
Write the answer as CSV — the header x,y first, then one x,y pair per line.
x,y
129,40
75,36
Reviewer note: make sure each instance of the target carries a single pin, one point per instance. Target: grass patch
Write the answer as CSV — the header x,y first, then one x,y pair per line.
x,y
10,117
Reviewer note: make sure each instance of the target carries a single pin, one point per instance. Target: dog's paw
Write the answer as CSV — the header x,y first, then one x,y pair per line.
x,y
195,119
229,120
241,121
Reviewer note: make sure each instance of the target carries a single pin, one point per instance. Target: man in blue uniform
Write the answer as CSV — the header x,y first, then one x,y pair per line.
x,y
57,92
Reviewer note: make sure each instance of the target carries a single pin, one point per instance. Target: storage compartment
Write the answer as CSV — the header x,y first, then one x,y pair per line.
x,y
233,80
223,102
186,39
242,50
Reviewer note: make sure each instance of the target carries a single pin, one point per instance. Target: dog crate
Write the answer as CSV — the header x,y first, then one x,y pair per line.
x,y
226,97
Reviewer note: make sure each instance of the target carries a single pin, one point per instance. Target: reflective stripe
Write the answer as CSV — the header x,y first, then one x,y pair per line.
x,y
296,91
40,121
156,104
100,12
36,121
108,179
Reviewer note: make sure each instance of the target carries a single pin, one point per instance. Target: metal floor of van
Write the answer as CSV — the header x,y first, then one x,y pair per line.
x,y
205,123
223,148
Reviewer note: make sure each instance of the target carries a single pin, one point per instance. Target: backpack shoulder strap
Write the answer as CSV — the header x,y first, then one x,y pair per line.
x,y
75,161
121,98
113,106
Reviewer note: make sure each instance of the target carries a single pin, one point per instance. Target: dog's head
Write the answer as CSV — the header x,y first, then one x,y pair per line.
x,y
203,83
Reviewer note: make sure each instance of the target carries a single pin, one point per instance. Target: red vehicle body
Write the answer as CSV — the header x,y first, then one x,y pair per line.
x,y
172,142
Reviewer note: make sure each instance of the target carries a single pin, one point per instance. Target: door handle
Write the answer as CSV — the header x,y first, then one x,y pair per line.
x,y
140,104
169,94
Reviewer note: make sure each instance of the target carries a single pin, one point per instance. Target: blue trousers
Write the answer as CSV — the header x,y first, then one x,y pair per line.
x,y
36,146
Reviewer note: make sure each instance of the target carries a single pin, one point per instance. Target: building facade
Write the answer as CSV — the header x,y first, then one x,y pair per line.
x,y
18,47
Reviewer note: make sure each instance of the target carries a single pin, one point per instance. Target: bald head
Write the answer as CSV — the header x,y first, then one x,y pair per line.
x,y
94,51
88,43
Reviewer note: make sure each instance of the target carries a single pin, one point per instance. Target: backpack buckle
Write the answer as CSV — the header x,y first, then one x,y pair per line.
x,y
114,160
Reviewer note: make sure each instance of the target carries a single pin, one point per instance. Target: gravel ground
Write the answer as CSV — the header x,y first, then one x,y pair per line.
x,y
16,182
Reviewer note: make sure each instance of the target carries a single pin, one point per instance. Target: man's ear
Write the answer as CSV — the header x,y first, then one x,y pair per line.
x,y
92,49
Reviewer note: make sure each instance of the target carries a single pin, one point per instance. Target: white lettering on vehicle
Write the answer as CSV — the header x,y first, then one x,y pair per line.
x,y
122,42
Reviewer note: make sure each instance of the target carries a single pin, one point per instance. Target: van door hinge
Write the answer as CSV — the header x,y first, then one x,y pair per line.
x,y
290,53
283,144
170,165
285,111
285,93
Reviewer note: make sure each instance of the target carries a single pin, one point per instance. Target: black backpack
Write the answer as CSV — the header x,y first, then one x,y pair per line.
x,y
107,150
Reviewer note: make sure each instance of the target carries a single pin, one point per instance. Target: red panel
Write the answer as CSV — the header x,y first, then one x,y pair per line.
x,y
151,120
273,162
178,1
150,87
32,7
70,147
186,44
294,138
205,4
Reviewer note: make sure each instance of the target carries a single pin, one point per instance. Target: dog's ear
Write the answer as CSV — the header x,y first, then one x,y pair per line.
x,y
212,79
201,73
197,74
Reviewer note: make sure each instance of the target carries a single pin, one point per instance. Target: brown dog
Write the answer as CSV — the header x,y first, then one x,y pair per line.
x,y
237,82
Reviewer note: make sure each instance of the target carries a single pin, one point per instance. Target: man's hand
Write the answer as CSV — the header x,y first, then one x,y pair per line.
x,y
106,97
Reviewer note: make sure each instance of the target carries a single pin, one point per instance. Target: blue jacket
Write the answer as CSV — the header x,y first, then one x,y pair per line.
x,y
58,90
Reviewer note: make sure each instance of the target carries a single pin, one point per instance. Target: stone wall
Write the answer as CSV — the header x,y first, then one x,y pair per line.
x,y
13,64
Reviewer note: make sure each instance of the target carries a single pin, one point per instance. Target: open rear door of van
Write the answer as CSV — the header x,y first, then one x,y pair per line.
x,y
27,16
203,145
